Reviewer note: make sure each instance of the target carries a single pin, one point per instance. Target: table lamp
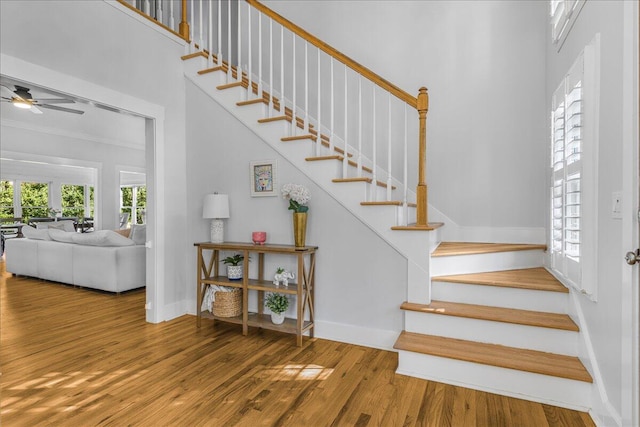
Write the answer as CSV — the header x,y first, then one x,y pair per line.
x,y
216,207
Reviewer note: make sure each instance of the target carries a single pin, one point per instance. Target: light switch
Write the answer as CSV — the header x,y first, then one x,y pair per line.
x,y
616,206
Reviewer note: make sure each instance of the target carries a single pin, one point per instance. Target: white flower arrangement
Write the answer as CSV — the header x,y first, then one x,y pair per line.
x,y
298,197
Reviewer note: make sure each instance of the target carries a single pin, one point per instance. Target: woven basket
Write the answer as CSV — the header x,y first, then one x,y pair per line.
x,y
227,304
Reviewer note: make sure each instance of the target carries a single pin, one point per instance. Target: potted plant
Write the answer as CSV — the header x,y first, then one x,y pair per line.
x,y
278,304
234,266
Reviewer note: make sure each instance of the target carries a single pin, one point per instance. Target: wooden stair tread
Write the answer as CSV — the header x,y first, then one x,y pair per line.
x,y
469,248
496,314
362,179
194,55
414,227
387,203
537,278
251,102
210,70
298,138
229,85
274,119
533,361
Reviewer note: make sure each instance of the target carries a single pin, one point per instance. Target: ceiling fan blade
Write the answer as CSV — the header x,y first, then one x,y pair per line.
x,y
66,110
35,110
6,92
55,101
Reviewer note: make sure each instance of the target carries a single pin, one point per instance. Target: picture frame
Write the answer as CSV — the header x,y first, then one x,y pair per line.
x,y
263,178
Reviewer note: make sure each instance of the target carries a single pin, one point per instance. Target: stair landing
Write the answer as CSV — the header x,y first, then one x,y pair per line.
x,y
533,361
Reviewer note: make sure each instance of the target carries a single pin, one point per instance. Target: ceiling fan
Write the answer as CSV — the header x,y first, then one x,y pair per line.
x,y
21,98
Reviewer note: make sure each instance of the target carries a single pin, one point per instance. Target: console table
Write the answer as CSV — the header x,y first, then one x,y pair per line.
x,y
208,273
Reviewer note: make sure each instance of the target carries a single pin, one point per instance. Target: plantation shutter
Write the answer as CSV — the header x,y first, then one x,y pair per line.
x,y
563,13
566,146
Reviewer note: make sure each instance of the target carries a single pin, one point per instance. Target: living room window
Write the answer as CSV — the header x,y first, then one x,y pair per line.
x,y
133,199
34,199
563,15
7,208
77,200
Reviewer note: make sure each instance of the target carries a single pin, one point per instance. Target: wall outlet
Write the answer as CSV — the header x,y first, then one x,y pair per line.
x,y
616,205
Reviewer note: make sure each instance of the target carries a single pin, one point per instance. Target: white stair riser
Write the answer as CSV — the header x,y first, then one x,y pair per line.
x,y
498,296
508,382
479,263
486,331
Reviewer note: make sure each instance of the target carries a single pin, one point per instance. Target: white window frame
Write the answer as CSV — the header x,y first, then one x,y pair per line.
x,y
563,14
579,272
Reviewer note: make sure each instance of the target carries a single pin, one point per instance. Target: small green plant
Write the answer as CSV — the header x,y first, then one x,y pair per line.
x,y
278,303
233,260
280,270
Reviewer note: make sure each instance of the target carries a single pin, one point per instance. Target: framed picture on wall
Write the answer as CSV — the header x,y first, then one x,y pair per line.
x,y
263,178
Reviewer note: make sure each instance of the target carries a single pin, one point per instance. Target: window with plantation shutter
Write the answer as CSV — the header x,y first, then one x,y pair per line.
x,y
566,201
575,105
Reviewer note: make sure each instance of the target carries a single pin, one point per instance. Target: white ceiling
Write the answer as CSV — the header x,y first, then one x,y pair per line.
x,y
98,124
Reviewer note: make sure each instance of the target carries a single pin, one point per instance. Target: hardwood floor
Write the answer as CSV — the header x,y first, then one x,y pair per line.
x,y
74,357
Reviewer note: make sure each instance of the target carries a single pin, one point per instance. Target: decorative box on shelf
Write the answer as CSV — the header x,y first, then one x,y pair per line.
x,y
208,273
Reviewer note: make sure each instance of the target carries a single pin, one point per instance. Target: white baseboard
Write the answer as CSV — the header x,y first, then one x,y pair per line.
x,y
357,335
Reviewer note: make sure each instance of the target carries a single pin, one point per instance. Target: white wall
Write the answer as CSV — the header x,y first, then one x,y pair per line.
x,y
360,279
483,63
604,318
95,43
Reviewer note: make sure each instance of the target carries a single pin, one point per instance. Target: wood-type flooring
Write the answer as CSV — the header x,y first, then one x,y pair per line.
x,y
76,357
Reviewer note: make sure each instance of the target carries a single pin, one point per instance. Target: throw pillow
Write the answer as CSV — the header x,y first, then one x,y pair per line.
x,y
138,233
124,232
59,225
61,235
32,233
102,238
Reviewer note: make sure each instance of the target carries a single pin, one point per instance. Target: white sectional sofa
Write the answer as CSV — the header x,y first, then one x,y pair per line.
x,y
101,260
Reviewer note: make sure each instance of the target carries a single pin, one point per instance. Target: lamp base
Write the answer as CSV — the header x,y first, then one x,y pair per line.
x,y
217,231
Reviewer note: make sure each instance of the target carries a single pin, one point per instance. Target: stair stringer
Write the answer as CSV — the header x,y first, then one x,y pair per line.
x,y
413,245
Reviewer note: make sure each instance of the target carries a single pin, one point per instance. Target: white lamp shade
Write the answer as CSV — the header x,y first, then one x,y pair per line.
x,y
216,206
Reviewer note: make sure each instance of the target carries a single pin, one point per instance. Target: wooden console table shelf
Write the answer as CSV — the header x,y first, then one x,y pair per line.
x,y
208,273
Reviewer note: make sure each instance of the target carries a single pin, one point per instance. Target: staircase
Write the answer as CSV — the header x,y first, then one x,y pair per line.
x,y
479,315
497,322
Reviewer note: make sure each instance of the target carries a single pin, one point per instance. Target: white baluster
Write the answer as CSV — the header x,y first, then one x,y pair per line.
x,y
319,136
159,11
210,32
359,126
219,32
259,55
147,8
172,20
192,22
239,66
306,88
332,113
282,99
389,155
293,92
271,91
374,192
229,73
200,41
249,43
405,173
345,161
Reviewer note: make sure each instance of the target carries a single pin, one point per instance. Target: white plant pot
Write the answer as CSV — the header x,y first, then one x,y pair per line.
x,y
234,272
277,318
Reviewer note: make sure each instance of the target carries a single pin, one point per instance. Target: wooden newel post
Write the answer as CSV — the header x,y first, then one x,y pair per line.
x,y
421,191
183,28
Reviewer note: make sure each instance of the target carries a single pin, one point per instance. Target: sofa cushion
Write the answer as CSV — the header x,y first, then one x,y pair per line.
x,y
138,234
31,233
59,225
61,236
102,238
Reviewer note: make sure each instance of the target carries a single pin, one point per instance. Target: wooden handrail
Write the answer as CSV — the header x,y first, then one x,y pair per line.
x,y
361,69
